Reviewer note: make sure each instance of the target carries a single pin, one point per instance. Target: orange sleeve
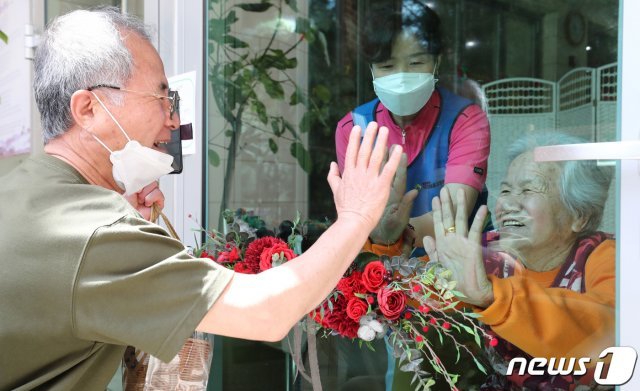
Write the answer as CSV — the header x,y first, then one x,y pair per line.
x,y
382,249
557,322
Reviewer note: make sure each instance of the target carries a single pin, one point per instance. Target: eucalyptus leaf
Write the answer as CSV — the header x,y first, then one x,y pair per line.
x,y
480,366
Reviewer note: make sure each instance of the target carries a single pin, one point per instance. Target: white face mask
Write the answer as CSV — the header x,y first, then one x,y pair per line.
x,y
404,93
135,166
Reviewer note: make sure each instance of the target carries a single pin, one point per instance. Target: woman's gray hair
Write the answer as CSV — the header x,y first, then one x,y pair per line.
x,y
583,185
80,49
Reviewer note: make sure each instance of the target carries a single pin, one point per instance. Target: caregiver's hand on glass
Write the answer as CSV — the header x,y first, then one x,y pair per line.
x,y
459,248
395,218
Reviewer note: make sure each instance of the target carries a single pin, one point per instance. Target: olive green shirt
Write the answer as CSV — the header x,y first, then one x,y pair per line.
x,y
83,275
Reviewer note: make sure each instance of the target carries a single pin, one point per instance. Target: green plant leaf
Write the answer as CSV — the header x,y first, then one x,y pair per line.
x,y
4,37
322,92
298,97
214,158
261,110
275,127
218,28
304,158
288,126
255,7
293,4
235,42
273,145
364,258
305,122
273,88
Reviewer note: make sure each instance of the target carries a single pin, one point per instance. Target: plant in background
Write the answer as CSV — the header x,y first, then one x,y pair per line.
x,y
4,37
239,71
411,302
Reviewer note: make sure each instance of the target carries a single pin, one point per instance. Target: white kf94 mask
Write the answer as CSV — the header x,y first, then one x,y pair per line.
x,y
404,93
135,166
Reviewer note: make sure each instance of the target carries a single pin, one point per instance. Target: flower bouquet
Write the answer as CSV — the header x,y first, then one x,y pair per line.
x,y
410,302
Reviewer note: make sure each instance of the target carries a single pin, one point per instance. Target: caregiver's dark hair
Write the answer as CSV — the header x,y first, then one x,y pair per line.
x,y
386,19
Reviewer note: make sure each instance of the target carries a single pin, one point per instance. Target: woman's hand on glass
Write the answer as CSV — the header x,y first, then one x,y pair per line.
x,y
459,248
395,217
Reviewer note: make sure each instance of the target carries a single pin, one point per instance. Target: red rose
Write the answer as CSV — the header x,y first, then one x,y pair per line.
x,y
280,250
356,308
373,276
351,284
391,303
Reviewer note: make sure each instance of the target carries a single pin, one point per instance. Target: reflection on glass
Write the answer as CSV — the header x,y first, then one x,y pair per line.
x,y
55,8
529,67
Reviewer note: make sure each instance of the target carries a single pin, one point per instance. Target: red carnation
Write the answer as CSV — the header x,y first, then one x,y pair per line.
x,y
356,308
228,256
373,276
279,251
351,284
391,303
254,250
242,267
206,254
336,319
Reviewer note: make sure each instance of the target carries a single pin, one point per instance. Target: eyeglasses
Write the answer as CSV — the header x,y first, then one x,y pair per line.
x,y
173,97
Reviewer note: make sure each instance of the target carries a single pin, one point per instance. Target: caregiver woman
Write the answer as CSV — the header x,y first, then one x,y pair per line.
x,y
445,136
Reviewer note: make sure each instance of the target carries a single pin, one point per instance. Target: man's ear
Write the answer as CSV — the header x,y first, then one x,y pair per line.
x,y
82,106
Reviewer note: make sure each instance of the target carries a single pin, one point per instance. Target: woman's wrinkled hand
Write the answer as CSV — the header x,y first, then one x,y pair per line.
x,y
459,248
363,189
395,217
143,200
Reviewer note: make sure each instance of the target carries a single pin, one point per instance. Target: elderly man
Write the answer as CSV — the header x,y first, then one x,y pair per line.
x,y
84,274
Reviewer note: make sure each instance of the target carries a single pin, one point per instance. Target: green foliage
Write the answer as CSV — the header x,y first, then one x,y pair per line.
x,y
238,74
4,37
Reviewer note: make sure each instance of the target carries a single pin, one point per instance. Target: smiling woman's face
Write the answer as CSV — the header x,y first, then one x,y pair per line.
x,y
406,56
532,219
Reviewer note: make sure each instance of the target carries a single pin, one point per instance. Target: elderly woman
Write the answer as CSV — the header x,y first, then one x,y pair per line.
x,y
545,283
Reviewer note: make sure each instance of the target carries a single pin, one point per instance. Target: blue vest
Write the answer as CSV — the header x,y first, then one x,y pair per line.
x,y
428,169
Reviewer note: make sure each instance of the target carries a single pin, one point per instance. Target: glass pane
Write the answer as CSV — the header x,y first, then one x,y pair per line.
x,y
55,8
282,76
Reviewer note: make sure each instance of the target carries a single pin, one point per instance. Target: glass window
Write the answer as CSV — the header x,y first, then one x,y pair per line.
x,y
282,75
55,8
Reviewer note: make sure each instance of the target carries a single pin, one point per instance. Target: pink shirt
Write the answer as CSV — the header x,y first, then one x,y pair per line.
x,y
468,146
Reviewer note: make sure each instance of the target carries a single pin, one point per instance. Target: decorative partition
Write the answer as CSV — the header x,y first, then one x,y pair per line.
x,y
576,111
515,106
582,103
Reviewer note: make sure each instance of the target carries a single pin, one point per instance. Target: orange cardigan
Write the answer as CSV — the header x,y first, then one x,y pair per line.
x,y
551,322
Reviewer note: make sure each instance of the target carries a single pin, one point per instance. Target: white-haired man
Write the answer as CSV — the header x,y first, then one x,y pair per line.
x,y
84,274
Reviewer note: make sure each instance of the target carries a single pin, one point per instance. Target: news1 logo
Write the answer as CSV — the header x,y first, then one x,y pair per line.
x,y
621,366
